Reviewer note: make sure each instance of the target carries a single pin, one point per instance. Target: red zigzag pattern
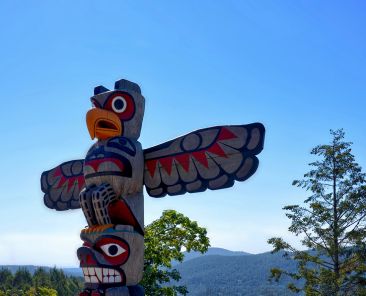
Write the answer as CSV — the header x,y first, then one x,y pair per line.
x,y
71,181
184,158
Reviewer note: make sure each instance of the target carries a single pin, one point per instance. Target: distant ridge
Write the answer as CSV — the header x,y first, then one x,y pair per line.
x,y
213,251
32,268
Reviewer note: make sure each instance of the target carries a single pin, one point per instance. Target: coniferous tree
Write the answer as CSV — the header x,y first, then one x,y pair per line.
x,y
332,223
6,279
41,283
22,279
63,284
41,278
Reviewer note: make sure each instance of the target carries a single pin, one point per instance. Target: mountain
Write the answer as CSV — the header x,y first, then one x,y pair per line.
x,y
213,251
234,275
73,271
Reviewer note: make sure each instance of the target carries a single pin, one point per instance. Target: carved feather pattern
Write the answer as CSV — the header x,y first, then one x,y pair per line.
x,y
210,158
62,185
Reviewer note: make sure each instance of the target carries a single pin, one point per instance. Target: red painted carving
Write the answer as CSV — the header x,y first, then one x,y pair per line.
x,y
201,157
167,163
225,134
71,181
151,166
183,160
216,149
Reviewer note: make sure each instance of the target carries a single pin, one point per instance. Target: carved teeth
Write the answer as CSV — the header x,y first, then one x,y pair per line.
x,y
94,279
91,271
101,275
98,271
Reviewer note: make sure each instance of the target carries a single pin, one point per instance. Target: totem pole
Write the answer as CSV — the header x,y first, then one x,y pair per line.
x,y
108,183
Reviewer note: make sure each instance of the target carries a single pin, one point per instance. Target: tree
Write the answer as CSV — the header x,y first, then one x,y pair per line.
x,y
332,223
44,291
41,278
6,279
41,283
22,279
165,240
63,284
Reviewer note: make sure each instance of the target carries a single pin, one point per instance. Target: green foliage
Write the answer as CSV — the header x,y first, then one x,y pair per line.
x,y
41,283
165,240
6,279
41,278
332,224
44,291
22,279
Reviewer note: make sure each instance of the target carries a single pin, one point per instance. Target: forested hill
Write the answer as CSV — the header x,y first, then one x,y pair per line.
x,y
234,275
214,251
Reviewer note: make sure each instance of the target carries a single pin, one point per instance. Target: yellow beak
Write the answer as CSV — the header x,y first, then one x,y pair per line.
x,y
103,124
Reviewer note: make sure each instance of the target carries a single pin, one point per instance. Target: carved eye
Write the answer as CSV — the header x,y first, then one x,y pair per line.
x,y
112,250
122,104
115,250
119,104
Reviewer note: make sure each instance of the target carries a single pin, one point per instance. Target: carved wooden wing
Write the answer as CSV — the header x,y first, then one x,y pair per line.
x,y
62,185
210,158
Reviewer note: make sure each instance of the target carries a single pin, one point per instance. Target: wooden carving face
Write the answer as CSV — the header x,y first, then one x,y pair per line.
x,y
116,113
111,256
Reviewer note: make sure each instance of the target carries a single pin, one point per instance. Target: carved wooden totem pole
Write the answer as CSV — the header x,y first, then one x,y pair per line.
x,y
108,183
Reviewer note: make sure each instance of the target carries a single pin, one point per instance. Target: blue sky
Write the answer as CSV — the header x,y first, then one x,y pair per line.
x,y
299,67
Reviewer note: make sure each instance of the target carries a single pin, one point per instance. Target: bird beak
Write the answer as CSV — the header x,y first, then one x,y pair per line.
x,y
103,124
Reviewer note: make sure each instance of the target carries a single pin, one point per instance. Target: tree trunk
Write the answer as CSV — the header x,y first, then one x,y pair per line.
x,y
335,227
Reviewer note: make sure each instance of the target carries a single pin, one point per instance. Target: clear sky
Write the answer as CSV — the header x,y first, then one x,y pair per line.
x,y
299,67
